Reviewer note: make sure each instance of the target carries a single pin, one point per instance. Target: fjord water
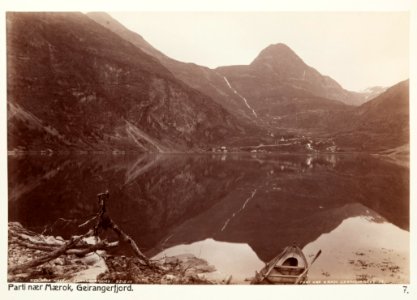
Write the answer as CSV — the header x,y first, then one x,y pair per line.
x,y
237,211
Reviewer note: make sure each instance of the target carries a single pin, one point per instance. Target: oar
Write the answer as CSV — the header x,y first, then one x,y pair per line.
x,y
259,277
306,270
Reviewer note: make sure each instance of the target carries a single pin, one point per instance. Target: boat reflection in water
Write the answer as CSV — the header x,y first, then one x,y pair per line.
x,y
235,211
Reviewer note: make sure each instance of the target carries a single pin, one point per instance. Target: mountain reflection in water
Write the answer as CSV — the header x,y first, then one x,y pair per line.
x,y
264,201
236,259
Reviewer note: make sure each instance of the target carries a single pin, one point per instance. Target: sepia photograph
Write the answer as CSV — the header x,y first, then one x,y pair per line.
x,y
185,148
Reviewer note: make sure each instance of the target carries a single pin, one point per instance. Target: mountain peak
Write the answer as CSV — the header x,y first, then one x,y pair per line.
x,y
278,47
277,54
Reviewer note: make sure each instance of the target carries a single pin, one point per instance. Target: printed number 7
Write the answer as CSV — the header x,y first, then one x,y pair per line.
x,y
405,289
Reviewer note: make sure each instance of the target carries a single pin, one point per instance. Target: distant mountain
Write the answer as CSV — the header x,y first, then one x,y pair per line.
x,y
75,85
279,76
372,92
278,91
204,79
381,123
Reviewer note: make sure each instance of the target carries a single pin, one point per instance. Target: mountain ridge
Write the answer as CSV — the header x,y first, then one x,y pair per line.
x,y
107,84
379,124
96,89
285,101
279,65
199,77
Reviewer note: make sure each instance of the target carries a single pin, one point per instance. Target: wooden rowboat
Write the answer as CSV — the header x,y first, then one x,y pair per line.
x,y
289,267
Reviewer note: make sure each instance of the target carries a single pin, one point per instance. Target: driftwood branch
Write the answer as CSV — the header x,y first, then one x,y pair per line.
x,y
128,239
105,222
24,238
79,250
103,245
54,254
59,220
88,221
35,246
76,245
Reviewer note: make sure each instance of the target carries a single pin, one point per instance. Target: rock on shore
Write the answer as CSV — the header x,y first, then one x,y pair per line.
x,y
98,266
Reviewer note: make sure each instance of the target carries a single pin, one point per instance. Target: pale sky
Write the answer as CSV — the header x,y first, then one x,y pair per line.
x,y
358,50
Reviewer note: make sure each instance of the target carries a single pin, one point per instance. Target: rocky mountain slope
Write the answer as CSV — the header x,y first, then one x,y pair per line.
x,y
278,70
288,93
278,91
78,82
379,124
75,85
204,79
372,92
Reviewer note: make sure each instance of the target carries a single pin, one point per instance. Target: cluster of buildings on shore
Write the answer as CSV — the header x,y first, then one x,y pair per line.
x,y
291,144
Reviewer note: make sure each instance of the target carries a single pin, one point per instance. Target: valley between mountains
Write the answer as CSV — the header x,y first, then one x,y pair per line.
x,y
84,82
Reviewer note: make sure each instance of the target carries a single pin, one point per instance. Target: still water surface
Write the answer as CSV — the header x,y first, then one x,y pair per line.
x,y
235,211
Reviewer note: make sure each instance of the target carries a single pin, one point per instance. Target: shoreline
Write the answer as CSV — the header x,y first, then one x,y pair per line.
x,y
100,267
97,266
